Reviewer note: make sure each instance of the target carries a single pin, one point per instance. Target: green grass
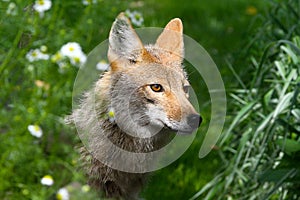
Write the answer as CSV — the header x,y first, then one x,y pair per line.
x,y
222,27
260,148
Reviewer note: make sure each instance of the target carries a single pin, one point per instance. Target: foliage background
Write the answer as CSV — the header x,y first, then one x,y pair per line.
x,y
243,39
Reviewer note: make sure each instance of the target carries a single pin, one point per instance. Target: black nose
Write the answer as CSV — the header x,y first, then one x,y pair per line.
x,y
194,120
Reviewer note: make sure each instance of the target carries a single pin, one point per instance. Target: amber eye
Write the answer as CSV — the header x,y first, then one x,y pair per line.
x,y
156,87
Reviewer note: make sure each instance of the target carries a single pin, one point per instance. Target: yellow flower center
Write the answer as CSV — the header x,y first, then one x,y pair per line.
x,y
48,177
34,54
37,128
56,57
59,197
251,10
137,16
41,2
77,59
71,48
111,114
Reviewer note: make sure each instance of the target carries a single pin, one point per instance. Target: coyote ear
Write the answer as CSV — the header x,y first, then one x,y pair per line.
x,y
171,40
124,43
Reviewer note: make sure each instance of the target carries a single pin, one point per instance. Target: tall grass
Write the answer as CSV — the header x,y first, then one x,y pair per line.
x,y
261,147
39,92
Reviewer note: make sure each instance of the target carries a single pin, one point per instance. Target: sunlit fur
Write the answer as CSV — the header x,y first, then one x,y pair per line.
x,y
139,110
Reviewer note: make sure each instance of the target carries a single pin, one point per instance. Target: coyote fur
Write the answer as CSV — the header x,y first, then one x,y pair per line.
x,y
145,91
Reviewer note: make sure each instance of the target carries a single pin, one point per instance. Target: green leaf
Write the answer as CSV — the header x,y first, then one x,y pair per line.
x,y
284,102
289,146
292,45
281,69
247,108
296,113
276,175
290,53
267,97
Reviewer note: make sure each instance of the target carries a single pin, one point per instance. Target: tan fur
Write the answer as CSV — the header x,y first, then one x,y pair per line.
x,y
134,68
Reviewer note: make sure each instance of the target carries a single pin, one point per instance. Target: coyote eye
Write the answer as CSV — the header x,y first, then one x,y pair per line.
x,y
156,87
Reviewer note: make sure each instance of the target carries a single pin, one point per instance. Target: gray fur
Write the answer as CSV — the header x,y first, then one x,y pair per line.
x,y
137,121
114,183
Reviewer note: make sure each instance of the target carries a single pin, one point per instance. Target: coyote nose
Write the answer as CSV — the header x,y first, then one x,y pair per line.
x,y
194,120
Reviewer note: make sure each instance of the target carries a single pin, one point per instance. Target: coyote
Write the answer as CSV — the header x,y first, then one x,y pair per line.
x,y
145,91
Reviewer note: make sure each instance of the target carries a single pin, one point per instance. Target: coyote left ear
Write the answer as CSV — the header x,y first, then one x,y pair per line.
x,y
124,43
171,40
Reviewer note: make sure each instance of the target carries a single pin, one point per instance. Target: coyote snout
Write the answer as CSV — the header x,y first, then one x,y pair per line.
x,y
194,120
147,91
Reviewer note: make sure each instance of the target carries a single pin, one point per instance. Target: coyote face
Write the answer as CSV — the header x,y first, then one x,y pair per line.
x,y
149,87
156,98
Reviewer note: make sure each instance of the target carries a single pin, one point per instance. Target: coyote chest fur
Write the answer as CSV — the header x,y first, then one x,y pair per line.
x,y
137,105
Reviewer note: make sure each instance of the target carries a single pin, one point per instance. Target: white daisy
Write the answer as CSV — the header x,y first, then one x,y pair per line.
x,y
63,66
62,194
128,13
78,60
71,49
35,130
111,115
47,180
35,55
56,58
135,17
102,65
42,5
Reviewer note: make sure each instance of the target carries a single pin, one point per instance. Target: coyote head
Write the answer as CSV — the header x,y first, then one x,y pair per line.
x,y
149,89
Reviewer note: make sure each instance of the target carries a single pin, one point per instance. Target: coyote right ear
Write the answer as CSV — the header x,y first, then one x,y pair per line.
x,y
171,40
124,43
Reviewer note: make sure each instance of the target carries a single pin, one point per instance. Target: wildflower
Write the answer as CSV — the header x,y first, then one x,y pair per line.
x,y
25,192
12,9
70,49
135,17
111,115
43,48
62,65
35,55
78,59
60,60
62,194
47,180
88,2
30,68
41,6
73,51
85,188
251,10
57,57
102,65
42,84
35,130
